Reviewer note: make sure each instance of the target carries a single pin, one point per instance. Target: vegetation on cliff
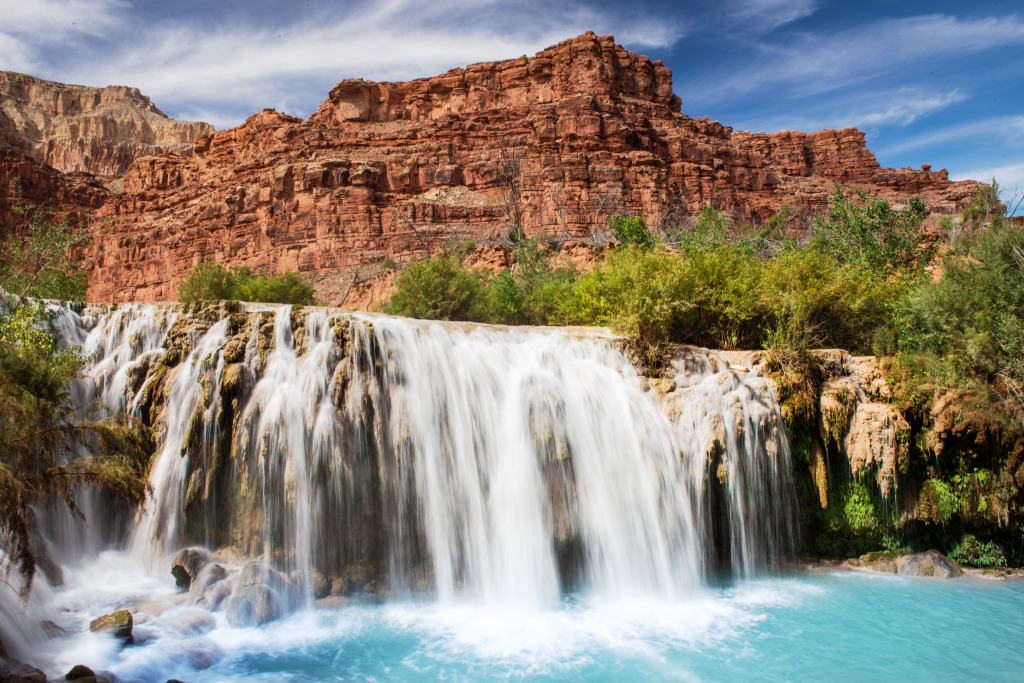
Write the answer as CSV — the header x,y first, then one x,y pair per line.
x,y
209,281
44,432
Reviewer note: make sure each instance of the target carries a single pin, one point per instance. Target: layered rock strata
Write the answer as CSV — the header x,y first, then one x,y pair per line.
x,y
579,132
75,128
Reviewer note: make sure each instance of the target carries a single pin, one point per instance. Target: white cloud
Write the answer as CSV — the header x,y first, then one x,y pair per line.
x,y
815,63
226,68
1010,178
902,107
1004,129
53,18
761,16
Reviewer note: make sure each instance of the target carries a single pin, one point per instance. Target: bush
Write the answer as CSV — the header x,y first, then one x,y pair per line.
x,y
208,281
534,292
874,236
974,553
439,288
631,231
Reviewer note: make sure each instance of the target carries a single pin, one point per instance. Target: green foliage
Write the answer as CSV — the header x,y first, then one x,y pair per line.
x,y
439,288
632,231
43,439
209,281
975,553
872,235
710,230
856,521
534,292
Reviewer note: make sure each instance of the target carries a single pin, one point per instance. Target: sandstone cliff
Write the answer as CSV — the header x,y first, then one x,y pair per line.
x,y
584,130
95,130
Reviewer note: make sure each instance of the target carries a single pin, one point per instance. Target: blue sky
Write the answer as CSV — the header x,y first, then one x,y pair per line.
x,y
930,82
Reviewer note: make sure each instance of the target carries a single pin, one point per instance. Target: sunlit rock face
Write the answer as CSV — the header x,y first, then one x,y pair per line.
x,y
398,170
74,128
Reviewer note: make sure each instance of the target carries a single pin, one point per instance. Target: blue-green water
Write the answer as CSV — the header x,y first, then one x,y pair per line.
x,y
840,626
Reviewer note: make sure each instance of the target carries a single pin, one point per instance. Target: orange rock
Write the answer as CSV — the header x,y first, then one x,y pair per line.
x,y
394,170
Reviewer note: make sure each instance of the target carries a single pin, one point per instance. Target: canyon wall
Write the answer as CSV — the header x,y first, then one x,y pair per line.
x,y
583,130
94,130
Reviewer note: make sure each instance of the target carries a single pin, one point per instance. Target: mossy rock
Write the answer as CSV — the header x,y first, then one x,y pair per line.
x,y
119,623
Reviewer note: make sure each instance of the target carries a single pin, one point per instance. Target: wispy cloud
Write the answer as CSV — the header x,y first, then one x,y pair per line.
x,y
1006,130
819,62
1010,178
761,16
900,107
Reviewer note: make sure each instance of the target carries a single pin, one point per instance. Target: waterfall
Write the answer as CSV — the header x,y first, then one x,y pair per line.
x,y
466,461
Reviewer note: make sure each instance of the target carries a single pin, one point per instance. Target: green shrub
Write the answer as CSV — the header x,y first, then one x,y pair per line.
x,y
872,235
208,281
439,288
631,230
974,553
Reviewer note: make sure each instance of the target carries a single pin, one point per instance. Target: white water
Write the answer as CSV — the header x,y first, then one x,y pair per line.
x,y
498,466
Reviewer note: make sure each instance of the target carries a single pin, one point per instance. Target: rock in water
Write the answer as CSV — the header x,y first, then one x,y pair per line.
x,y
119,623
253,606
202,588
78,672
187,565
930,563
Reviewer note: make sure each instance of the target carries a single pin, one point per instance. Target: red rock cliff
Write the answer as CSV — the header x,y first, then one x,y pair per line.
x,y
390,170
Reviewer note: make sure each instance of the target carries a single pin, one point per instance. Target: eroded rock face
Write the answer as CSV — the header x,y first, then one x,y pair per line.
x,y
73,128
396,170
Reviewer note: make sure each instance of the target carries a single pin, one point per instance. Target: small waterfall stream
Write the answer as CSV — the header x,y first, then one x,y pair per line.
x,y
356,453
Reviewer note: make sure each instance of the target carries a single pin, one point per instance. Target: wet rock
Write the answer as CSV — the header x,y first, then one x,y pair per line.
x,y
205,583
119,623
78,672
187,565
931,563
13,671
320,586
53,630
202,654
253,606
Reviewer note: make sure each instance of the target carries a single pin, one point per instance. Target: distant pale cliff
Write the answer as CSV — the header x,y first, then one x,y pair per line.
x,y
75,128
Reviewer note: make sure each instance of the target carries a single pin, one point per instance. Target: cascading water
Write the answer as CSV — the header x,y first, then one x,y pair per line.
x,y
358,453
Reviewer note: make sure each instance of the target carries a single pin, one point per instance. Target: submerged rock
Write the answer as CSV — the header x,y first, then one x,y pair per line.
x,y
253,606
187,565
205,586
119,623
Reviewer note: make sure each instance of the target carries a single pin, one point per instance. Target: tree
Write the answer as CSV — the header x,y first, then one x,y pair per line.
x,y
510,185
48,450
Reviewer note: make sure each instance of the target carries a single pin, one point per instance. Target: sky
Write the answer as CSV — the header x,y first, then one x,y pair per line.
x,y
929,82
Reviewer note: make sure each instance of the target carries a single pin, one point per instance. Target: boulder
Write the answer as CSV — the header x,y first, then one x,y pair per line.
x,y
930,563
320,586
78,672
205,584
253,606
187,564
119,623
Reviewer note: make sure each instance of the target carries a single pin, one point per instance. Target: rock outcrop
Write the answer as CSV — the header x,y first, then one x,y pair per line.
x,y
393,171
75,128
